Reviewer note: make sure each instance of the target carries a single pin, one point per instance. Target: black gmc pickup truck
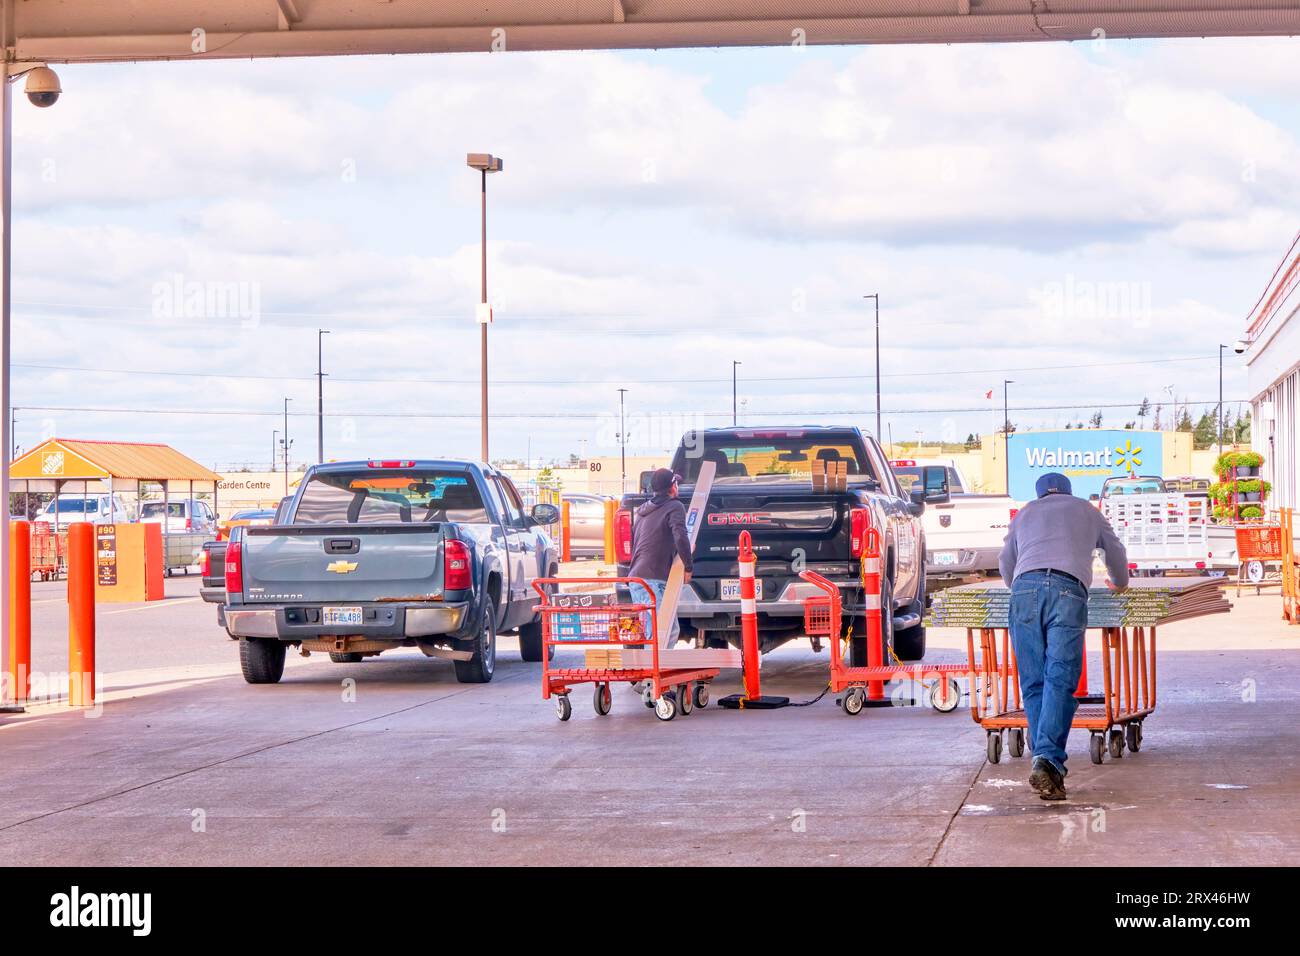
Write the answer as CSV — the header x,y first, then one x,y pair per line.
x,y
764,484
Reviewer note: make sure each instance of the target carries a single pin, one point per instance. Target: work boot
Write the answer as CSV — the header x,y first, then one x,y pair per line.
x,y
1047,780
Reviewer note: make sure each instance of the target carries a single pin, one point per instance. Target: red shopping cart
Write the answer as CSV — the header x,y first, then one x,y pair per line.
x,y
597,622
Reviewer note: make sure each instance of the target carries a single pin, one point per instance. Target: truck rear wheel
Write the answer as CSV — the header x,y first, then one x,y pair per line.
x,y
261,660
480,668
530,634
909,643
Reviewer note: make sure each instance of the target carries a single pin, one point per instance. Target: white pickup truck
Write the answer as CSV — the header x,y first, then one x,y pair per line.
x,y
964,536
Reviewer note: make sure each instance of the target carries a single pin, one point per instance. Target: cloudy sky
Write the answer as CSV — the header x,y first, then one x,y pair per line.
x,y
1090,221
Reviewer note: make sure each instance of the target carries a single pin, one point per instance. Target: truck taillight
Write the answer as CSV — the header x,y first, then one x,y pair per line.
x,y
189,524
623,535
456,574
205,563
859,523
234,568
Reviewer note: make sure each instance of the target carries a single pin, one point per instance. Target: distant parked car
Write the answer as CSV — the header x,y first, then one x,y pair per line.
x,y
180,515
71,509
260,516
586,525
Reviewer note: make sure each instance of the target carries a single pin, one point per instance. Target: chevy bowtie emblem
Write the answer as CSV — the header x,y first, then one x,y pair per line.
x,y
341,567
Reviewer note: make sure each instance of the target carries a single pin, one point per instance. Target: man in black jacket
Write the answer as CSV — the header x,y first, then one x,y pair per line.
x,y
659,535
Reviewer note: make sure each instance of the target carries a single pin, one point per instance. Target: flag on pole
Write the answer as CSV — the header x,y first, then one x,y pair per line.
x,y
989,394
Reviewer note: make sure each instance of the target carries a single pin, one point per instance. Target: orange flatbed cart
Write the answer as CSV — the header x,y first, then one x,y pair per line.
x,y
1128,670
823,617
568,620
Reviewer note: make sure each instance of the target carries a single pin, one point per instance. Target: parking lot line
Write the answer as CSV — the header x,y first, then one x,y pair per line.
x,y
157,604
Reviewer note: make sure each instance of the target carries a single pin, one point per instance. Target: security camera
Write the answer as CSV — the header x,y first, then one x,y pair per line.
x,y
42,86
1240,346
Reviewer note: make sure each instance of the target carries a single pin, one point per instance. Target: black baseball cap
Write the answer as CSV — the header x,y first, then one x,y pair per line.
x,y
662,481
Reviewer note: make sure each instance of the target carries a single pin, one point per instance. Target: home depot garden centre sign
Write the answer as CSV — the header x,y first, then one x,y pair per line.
x,y
1086,456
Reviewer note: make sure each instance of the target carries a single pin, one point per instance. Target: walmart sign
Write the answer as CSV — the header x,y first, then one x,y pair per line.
x,y
1086,457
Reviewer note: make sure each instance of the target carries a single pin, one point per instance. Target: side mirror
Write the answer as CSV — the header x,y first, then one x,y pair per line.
x,y
916,504
644,482
934,479
545,514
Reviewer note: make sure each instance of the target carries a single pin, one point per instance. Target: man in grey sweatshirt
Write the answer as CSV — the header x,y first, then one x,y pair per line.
x,y
658,536
1046,560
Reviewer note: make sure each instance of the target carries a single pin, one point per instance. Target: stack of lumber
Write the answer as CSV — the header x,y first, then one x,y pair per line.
x,y
1147,602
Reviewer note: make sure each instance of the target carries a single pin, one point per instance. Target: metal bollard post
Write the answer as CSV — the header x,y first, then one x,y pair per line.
x,y
611,555
81,614
20,611
566,532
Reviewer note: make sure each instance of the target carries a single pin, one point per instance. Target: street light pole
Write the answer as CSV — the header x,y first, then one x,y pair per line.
x,y
734,365
275,447
622,439
876,297
485,163
1006,433
320,396
285,439
1219,413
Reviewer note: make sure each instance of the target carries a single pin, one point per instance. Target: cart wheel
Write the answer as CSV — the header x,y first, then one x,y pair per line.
x,y
1133,736
684,702
995,747
563,709
1116,743
602,700
852,701
1255,572
1016,742
701,695
647,696
945,695
666,706
1097,748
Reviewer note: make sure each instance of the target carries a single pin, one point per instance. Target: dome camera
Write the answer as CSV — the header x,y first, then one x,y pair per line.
x,y
1240,346
42,87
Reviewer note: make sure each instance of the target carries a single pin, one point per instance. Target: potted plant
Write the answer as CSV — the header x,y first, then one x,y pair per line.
x,y
1247,464
1252,511
1248,490
1225,463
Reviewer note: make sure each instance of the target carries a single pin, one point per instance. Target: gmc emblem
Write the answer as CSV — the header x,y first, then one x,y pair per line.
x,y
740,517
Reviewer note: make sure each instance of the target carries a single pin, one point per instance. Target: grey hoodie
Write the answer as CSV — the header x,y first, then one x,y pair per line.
x,y
658,534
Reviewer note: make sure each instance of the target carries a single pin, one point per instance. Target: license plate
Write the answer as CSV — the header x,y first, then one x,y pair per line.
x,y
945,557
731,589
340,616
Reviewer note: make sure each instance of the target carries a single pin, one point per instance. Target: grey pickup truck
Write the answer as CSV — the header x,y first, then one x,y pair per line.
x,y
374,555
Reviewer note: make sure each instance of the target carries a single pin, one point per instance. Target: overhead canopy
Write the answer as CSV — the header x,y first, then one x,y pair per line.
x,y
117,465
52,31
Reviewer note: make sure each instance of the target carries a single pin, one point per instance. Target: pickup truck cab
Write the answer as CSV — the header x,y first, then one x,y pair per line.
x,y
963,535
376,555
764,485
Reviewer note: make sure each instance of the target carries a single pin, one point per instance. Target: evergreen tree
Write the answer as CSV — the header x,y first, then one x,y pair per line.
x,y
1206,432
1185,421
1095,421
1144,410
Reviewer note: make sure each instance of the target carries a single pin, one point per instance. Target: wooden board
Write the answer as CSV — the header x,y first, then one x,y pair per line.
x,y
677,576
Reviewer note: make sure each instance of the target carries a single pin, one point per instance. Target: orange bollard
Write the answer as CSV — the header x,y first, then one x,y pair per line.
x,y
20,611
875,622
81,614
752,698
611,552
566,532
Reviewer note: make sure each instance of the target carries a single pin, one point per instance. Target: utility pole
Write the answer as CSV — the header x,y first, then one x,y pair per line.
x,y
287,443
485,163
1006,432
876,297
320,395
734,365
1219,413
275,447
622,438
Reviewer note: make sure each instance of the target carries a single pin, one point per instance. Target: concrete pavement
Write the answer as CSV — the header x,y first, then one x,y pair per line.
x,y
392,761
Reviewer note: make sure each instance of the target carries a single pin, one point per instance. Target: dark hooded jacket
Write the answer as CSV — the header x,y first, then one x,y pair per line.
x,y
658,534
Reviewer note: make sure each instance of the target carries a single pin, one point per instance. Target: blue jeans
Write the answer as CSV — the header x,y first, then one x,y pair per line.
x,y
641,596
1049,614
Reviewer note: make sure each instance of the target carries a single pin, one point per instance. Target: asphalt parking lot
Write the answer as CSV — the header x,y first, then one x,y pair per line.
x,y
393,761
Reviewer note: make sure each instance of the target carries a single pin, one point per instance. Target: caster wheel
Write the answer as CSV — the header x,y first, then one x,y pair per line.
x,y
1016,742
647,697
1133,736
603,700
685,703
666,706
995,747
563,709
945,695
852,701
1097,748
701,695
1116,743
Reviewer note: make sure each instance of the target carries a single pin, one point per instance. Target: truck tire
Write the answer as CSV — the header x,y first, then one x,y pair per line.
x,y
483,645
909,643
530,635
348,657
261,659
